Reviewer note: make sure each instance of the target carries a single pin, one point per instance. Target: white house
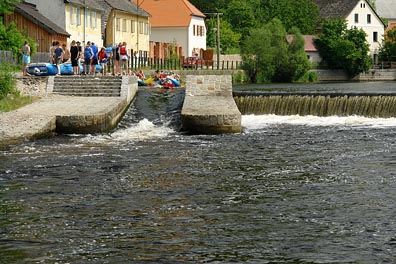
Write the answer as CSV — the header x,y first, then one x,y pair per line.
x,y
178,22
357,13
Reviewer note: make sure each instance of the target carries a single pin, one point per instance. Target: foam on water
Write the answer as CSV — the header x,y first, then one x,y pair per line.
x,y
254,122
142,131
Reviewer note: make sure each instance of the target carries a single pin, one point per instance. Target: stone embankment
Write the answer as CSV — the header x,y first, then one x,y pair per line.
x,y
54,113
209,107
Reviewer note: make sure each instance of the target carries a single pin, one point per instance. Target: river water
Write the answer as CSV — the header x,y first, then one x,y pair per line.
x,y
289,189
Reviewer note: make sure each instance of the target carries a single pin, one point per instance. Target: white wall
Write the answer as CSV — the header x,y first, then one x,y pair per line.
x,y
171,35
183,36
363,9
196,42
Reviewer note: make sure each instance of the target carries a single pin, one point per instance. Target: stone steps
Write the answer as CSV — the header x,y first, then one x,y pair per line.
x,y
106,86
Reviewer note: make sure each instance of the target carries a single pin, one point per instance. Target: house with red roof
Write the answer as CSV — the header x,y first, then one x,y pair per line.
x,y
178,22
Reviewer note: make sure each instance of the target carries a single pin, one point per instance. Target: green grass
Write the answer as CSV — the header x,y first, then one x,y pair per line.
x,y
13,102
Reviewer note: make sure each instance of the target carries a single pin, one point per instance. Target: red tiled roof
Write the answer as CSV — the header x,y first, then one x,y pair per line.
x,y
169,13
309,43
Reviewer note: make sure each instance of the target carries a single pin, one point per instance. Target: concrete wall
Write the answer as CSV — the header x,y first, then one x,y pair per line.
x,y
209,107
371,76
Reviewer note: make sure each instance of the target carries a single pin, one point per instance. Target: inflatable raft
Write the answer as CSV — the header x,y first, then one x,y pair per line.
x,y
48,69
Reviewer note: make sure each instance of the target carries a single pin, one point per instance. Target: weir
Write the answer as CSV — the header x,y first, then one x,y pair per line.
x,y
318,104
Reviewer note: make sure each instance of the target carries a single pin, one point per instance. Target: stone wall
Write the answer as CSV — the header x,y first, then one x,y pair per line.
x,y
209,107
209,85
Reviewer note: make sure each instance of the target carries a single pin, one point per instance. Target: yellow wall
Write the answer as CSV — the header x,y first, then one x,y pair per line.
x,y
90,26
135,39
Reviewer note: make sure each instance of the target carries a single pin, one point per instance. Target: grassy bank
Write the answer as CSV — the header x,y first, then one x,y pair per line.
x,y
13,102
10,99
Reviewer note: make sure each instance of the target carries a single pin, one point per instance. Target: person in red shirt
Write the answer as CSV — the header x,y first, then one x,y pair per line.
x,y
102,56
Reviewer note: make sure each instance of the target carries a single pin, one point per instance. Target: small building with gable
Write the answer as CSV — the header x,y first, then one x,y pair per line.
x,y
178,22
357,13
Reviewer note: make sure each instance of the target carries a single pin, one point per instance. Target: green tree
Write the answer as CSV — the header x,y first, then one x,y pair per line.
x,y
12,39
6,6
240,15
229,40
343,48
388,48
268,56
303,14
209,6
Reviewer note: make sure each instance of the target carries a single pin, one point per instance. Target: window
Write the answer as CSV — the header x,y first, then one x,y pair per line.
x,y
72,17
124,25
117,24
78,16
133,22
140,27
145,28
368,19
375,37
193,30
356,18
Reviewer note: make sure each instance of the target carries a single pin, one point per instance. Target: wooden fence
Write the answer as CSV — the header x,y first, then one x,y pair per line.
x,y
6,57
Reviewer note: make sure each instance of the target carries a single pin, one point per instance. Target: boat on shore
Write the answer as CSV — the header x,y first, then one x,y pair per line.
x,y
48,69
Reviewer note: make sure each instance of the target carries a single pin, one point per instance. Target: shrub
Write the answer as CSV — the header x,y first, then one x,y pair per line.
x,y
240,78
7,81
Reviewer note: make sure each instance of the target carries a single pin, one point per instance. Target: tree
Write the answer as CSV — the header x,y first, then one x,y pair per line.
x,y
13,39
229,40
388,48
209,6
268,56
343,48
240,15
6,7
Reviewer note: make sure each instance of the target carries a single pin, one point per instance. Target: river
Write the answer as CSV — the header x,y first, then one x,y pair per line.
x,y
288,189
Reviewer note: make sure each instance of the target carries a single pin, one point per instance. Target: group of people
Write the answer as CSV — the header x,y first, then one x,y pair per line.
x,y
91,56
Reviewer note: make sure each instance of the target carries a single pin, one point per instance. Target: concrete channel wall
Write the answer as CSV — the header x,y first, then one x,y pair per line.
x,y
65,114
209,107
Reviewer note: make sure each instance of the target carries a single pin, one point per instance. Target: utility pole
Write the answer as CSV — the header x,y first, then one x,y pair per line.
x,y
217,36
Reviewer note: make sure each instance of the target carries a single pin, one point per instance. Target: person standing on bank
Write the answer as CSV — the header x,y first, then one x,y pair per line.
x,y
25,51
102,55
66,55
95,51
116,59
58,56
88,57
51,52
124,56
74,56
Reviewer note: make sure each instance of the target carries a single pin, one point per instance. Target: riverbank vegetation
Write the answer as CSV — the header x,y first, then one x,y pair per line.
x,y
246,32
344,48
272,55
10,99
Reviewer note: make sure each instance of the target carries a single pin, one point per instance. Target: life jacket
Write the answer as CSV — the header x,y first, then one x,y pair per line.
x,y
123,50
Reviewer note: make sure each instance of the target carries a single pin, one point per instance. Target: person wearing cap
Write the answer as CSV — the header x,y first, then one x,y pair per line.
x,y
74,55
